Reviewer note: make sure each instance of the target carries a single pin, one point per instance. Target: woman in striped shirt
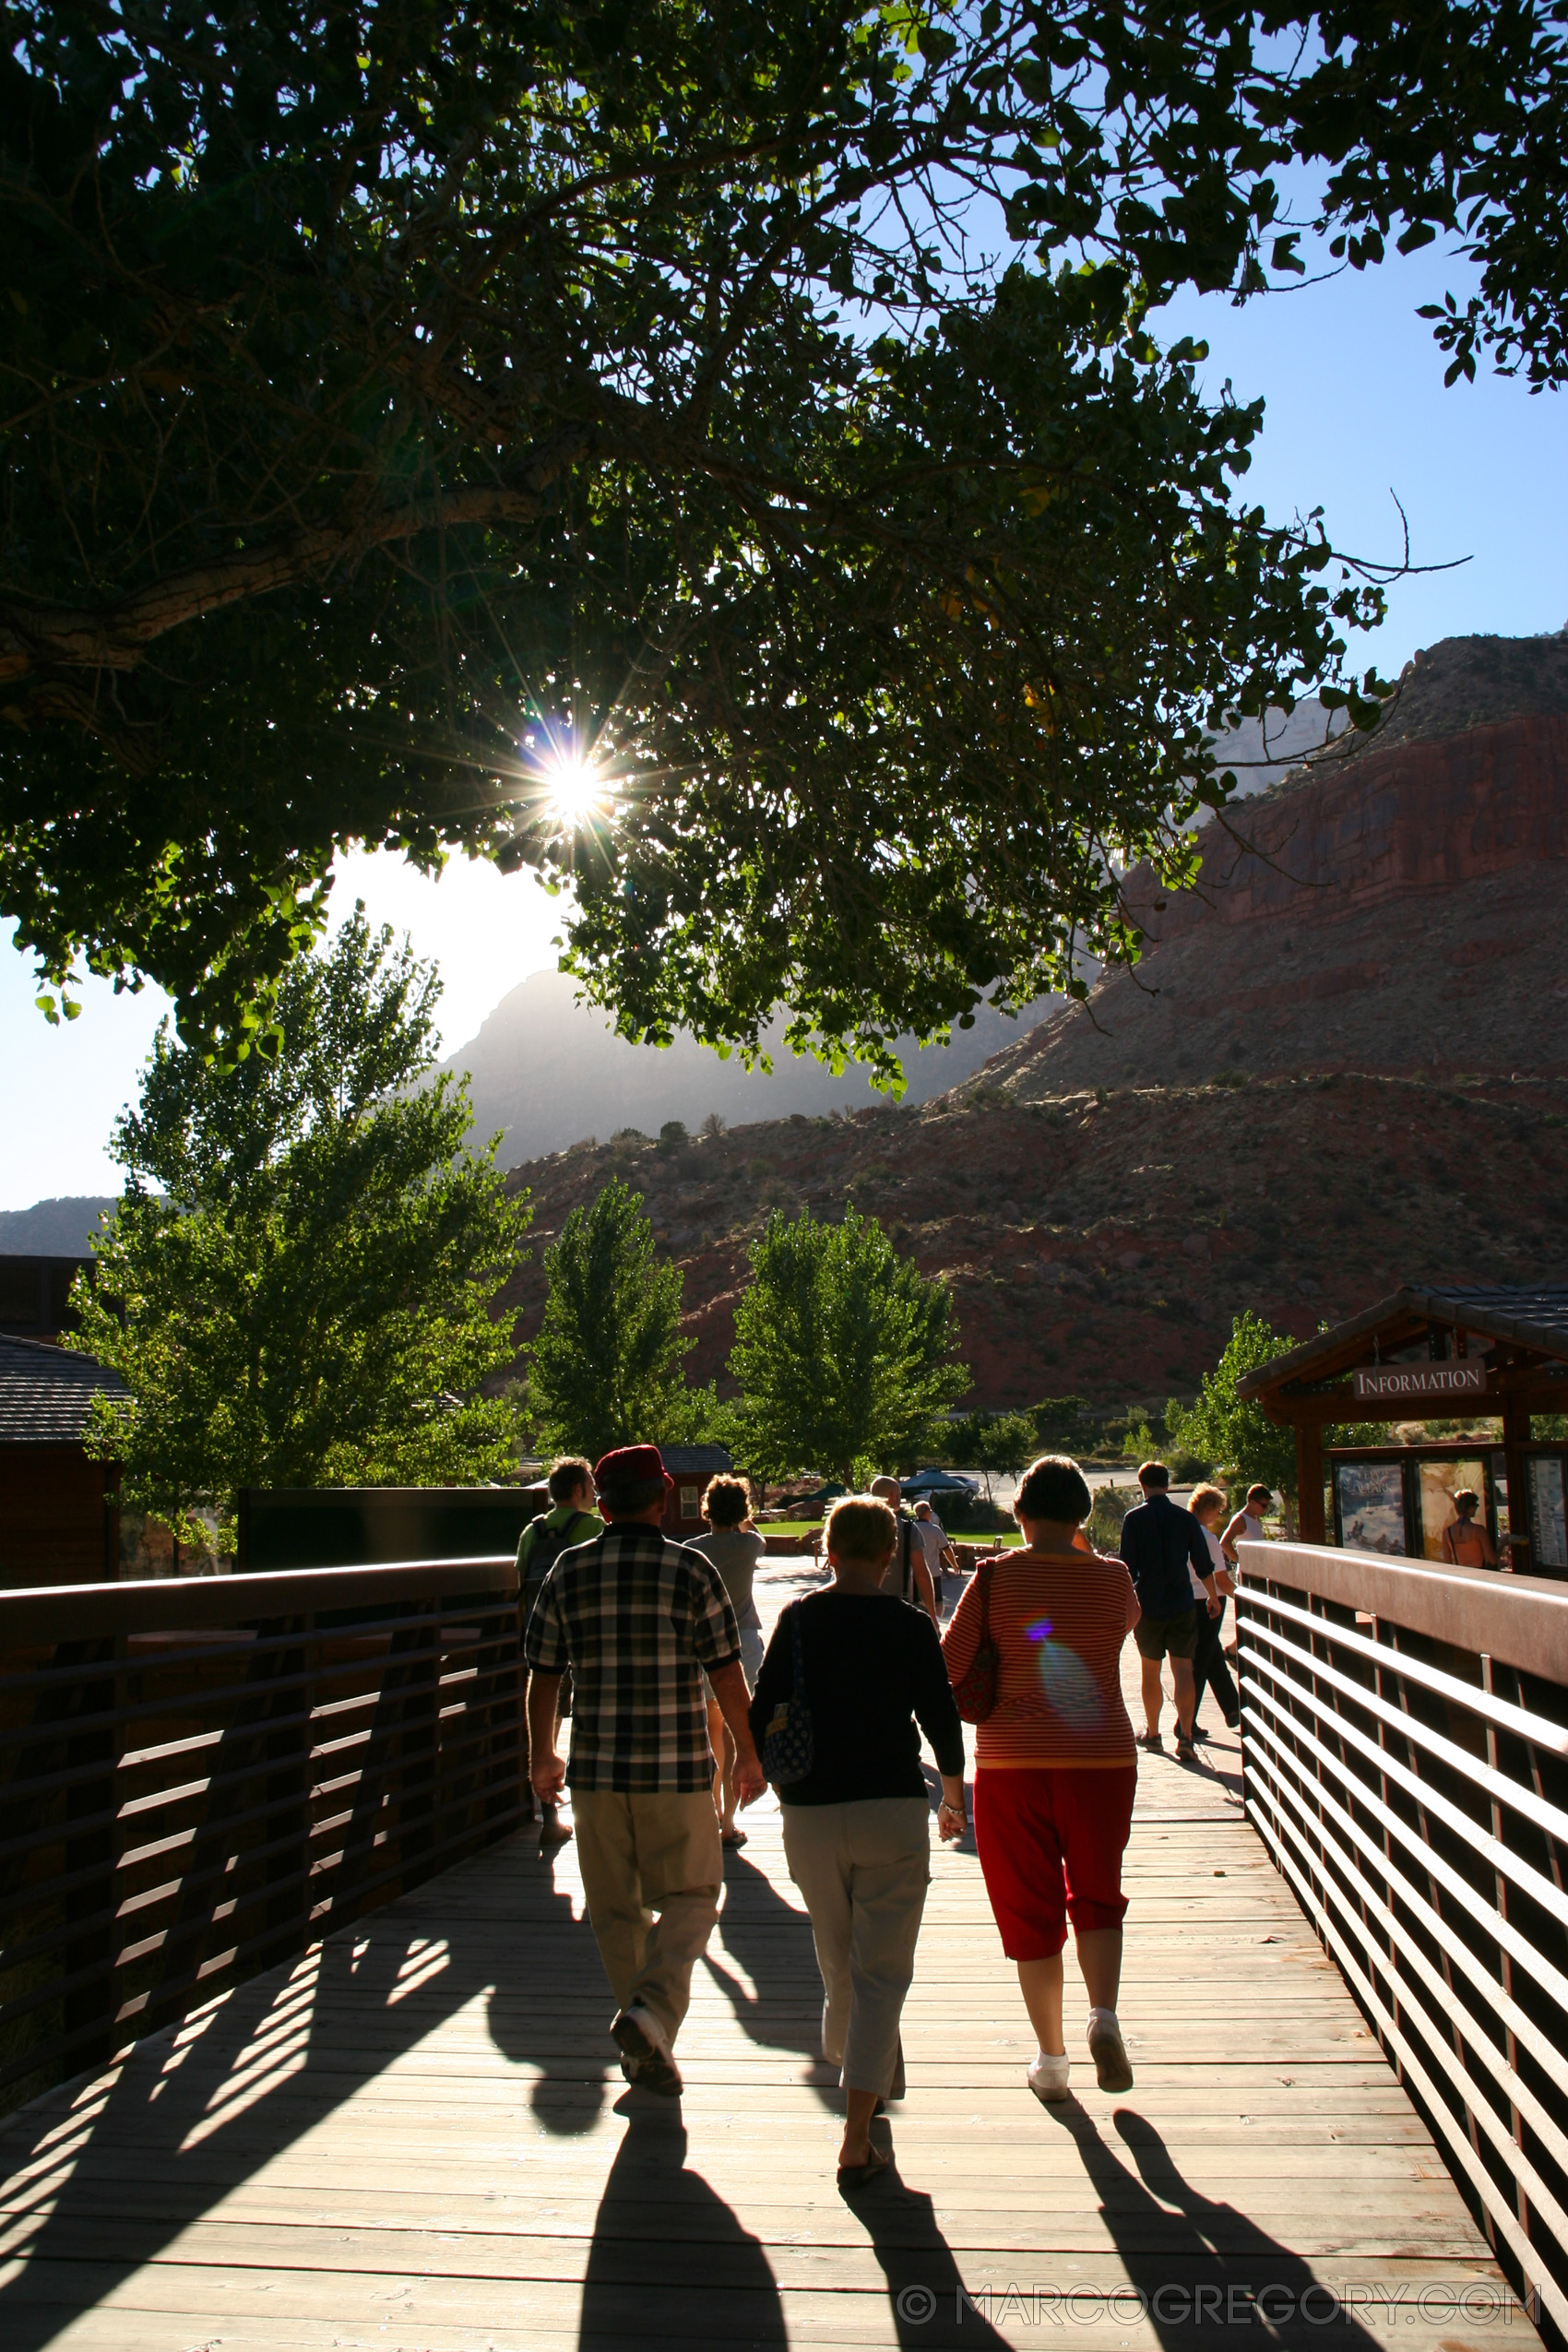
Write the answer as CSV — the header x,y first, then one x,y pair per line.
x,y
1056,1767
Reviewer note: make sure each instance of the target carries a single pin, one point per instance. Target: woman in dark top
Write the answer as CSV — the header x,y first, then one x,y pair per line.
x,y
857,1826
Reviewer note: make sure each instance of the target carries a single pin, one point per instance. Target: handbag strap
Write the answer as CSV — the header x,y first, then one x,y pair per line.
x,y
985,1570
800,1692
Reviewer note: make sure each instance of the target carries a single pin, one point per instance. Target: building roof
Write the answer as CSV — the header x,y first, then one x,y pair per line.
x,y
46,1392
1533,1315
694,1461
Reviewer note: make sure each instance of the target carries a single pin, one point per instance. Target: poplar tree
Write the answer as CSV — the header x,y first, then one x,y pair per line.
x,y
297,1286
844,1352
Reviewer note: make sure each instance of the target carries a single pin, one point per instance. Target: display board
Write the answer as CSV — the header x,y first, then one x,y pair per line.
x,y
1369,1506
1549,1522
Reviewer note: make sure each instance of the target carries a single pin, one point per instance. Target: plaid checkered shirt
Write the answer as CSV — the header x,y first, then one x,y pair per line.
x,y
637,1617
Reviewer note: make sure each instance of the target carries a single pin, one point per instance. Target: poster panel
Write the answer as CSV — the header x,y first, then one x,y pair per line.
x,y
1549,1522
1371,1506
1439,1482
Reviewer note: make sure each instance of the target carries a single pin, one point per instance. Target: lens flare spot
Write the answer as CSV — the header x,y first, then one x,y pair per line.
x,y
1071,1692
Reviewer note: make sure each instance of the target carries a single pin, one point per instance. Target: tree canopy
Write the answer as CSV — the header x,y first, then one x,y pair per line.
x,y
716,455
1232,1431
296,1287
844,1351
990,1443
605,1368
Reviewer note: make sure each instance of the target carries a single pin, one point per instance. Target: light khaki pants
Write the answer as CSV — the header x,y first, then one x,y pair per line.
x,y
863,1869
642,1853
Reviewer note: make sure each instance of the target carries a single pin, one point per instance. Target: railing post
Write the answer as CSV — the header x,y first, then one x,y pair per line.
x,y
91,1853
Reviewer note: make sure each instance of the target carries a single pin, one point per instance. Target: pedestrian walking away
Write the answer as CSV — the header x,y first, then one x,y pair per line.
x,y
1210,1671
940,1556
571,1519
1159,1544
909,1569
639,1620
1033,1656
734,1547
850,1674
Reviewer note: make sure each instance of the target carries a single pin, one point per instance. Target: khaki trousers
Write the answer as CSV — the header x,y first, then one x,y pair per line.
x,y
642,1853
863,1869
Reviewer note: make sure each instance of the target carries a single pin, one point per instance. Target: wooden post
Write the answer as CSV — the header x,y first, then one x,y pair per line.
x,y
1309,1483
1515,1437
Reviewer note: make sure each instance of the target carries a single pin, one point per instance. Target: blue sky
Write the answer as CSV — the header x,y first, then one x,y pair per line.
x,y
1356,408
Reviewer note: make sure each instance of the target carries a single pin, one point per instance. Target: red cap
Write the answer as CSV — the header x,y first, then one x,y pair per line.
x,y
629,1466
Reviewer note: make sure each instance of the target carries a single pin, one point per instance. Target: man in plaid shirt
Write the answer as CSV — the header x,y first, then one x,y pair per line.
x,y
638,1619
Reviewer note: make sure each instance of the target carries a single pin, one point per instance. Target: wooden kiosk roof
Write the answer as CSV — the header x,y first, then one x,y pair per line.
x,y
1528,1324
1519,1332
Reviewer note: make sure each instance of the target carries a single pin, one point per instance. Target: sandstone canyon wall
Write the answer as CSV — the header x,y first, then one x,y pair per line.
x,y
1403,910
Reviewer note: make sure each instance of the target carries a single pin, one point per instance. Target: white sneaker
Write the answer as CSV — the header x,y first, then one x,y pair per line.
x,y
1048,2076
1113,2068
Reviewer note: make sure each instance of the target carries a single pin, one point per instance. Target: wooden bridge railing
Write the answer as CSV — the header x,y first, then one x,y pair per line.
x,y
1405,1749
199,1778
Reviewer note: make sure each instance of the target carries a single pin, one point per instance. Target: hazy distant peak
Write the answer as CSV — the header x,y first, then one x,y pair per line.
x,y
547,1070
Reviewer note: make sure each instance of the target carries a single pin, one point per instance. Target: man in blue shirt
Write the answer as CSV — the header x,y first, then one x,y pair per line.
x,y
1159,1542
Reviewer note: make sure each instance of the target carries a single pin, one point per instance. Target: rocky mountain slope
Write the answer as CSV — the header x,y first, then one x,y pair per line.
x,y
1102,1246
1399,907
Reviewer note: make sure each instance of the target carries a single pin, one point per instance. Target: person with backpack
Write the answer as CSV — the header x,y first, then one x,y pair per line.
x,y
1033,1654
571,1519
908,1567
849,1682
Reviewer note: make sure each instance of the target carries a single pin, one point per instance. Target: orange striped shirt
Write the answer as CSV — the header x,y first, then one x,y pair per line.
x,y
1059,1623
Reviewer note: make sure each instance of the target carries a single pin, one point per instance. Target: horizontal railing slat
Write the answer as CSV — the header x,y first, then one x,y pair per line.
x,y
1491,1849
199,1777
1507,2078
1462,2155
1536,1729
182,1604
1519,1621
1417,1859
1490,1922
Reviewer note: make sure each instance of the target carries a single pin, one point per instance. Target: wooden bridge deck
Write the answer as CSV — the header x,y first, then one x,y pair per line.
x,y
415,2139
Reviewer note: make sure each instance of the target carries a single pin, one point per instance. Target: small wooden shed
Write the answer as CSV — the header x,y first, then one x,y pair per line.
x,y
59,1512
35,1294
690,1467
1424,1353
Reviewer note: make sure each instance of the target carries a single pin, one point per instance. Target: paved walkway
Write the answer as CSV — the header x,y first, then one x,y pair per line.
x,y
415,2140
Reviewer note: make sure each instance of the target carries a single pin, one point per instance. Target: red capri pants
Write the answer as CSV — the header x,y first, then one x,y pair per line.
x,y
1050,1840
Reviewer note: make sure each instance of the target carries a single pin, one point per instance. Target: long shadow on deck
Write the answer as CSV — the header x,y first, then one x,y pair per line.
x,y
668,2258
772,1942
200,2108
924,2288
1205,2273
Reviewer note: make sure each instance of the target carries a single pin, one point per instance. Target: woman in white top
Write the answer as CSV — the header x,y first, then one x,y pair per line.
x,y
734,1547
1247,1525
